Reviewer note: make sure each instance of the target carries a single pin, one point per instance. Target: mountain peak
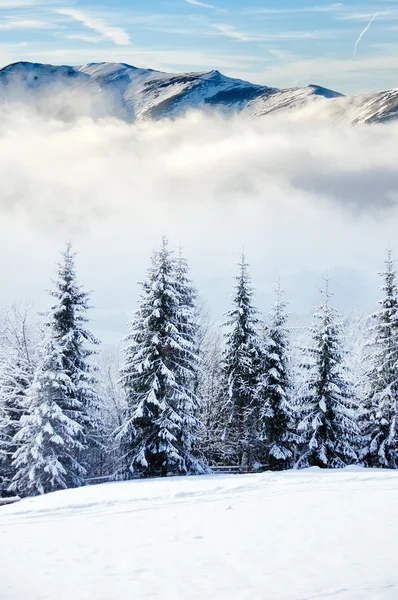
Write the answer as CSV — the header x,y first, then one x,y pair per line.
x,y
131,93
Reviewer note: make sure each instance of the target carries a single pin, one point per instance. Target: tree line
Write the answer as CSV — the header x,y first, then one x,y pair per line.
x,y
185,399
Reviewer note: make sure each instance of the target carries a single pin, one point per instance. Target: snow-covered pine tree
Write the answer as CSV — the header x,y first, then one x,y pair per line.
x,y
66,357
50,439
277,388
189,330
17,365
380,419
108,458
242,369
328,422
210,389
15,379
159,367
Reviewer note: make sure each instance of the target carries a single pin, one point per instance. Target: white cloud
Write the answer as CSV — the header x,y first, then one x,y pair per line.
x,y
201,4
162,59
19,3
232,32
365,17
11,23
92,39
365,74
116,34
303,9
302,196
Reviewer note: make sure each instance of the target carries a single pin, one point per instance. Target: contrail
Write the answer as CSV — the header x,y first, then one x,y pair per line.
x,y
362,34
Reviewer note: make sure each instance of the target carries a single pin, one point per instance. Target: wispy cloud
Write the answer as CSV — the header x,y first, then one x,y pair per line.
x,y
91,39
10,24
364,74
364,17
302,9
233,33
116,34
362,34
201,4
162,59
18,3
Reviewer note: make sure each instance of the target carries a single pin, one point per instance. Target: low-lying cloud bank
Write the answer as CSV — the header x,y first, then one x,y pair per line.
x,y
301,195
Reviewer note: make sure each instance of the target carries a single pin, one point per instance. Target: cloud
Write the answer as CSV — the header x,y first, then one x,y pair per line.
x,y
231,32
116,34
382,15
91,39
302,9
362,75
300,193
19,3
12,23
161,59
201,4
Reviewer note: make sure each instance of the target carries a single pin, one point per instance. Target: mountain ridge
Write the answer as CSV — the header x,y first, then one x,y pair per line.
x,y
131,93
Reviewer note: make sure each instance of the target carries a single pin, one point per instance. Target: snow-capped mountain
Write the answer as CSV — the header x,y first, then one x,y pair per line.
x,y
123,91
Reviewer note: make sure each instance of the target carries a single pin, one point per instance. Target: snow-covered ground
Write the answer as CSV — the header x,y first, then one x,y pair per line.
x,y
292,536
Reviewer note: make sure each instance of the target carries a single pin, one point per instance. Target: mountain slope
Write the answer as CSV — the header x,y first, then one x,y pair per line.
x,y
126,92
277,536
110,89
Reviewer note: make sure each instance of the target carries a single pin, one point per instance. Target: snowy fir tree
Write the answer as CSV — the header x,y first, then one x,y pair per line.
x,y
158,373
15,380
17,365
210,389
189,330
243,370
277,416
380,419
50,439
328,410
66,359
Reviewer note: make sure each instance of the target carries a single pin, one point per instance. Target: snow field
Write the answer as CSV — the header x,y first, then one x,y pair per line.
x,y
298,535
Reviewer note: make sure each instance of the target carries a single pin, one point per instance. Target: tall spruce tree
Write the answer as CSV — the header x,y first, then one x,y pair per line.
x,y
243,365
50,439
63,391
328,409
278,414
158,375
15,379
16,375
189,329
211,379
380,419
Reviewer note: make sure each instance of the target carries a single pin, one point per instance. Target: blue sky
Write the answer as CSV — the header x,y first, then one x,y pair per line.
x,y
274,42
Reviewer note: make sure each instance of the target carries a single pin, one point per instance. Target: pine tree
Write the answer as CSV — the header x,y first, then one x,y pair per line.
x,y
66,359
210,389
277,389
158,373
16,375
328,409
50,440
189,330
242,370
380,423
15,380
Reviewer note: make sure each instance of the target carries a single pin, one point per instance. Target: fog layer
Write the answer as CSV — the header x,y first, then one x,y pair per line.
x,y
302,196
